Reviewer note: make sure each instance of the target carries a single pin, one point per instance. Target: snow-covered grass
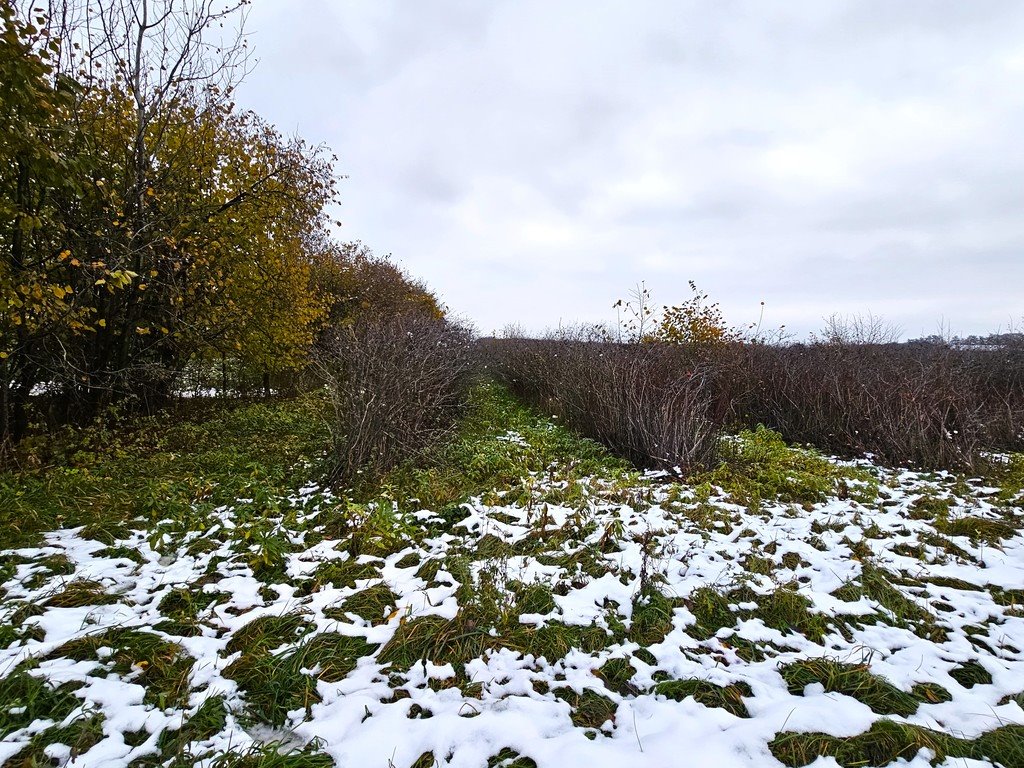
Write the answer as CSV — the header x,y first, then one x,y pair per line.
x,y
522,598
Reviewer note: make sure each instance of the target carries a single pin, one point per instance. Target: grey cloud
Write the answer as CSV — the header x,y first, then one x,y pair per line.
x,y
534,160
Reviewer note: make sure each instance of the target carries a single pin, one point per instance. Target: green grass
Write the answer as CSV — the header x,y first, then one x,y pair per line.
x,y
274,683
853,680
207,721
1008,476
157,468
589,709
25,697
269,632
616,674
271,756
480,458
508,758
784,609
463,638
888,741
885,742
373,604
757,466
80,734
727,697
182,607
162,667
876,584
970,674
652,617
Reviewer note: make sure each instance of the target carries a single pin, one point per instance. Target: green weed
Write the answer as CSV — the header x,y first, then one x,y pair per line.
x,y
758,466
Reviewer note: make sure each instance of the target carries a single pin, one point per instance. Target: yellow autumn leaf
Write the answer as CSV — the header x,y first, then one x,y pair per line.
x,y
57,291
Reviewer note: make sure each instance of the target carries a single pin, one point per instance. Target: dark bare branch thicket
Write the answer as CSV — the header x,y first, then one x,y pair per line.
x,y
655,404
923,405
926,405
397,384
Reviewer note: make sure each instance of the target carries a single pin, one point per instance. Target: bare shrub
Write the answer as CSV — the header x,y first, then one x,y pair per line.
x,y
397,385
922,404
926,405
651,403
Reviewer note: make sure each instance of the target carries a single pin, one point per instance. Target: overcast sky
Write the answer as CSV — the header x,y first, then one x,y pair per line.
x,y
532,161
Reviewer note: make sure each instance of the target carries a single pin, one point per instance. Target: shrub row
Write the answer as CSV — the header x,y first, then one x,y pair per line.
x,y
654,404
925,405
397,384
663,405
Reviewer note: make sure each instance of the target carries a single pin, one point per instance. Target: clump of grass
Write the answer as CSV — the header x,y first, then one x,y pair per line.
x,y
25,697
463,638
978,529
589,709
269,632
727,697
930,693
340,573
970,674
80,593
410,560
275,685
163,668
372,604
756,564
758,466
885,742
712,611
108,533
509,758
46,568
929,507
652,617
853,680
182,607
123,552
945,544
270,755
787,610
1008,476
952,583
876,584
332,655
1004,745
207,721
81,734
616,674
1011,598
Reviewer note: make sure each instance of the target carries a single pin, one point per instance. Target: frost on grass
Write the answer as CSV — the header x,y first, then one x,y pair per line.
x,y
782,609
